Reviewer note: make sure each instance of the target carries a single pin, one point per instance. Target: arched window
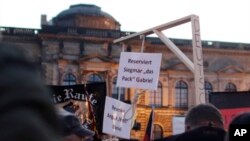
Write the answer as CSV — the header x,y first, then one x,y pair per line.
x,y
69,79
208,89
93,78
157,132
155,98
181,94
117,90
230,87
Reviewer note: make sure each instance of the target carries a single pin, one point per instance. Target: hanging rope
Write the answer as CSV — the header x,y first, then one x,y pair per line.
x,y
143,41
136,95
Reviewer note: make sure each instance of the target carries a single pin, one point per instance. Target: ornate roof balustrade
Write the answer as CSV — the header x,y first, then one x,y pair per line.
x,y
18,31
103,33
83,31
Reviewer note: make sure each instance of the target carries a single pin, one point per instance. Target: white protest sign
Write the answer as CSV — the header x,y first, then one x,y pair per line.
x,y
178,125
117,118
139,70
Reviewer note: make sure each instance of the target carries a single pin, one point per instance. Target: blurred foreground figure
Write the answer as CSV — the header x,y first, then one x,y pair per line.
x,y
26,110
239,122
203,122
72,129
203,115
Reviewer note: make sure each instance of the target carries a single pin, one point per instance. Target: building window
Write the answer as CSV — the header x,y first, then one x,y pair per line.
x,y
82,48
157,132
129,49
69,79
61,46
155,98
93,78
205,64
230,87
109,49
208,89
181,94
117,90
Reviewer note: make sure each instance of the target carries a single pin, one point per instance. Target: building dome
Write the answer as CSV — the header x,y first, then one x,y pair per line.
x,y
85,15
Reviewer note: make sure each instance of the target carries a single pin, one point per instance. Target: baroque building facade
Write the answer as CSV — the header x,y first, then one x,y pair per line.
x,y
76,47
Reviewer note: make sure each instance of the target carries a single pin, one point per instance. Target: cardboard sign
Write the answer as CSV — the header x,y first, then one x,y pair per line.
x,y
117,118
139,70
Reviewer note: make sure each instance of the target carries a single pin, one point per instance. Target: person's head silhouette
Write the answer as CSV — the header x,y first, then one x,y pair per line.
x,y
26,109
203,115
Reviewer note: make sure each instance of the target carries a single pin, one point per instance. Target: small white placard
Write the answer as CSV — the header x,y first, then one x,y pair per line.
x,y
117,118
139,70
178,125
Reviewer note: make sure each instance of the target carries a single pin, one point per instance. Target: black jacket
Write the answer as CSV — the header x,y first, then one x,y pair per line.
x,y
205,133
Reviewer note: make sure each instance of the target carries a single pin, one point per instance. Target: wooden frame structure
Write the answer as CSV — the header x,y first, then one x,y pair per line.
x,y
197,65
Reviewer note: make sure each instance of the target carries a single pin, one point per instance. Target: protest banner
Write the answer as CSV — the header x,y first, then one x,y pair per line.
x,y
94,93
230,104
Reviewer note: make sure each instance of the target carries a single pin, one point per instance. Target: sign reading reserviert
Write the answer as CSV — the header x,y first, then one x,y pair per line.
x,y
139,70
